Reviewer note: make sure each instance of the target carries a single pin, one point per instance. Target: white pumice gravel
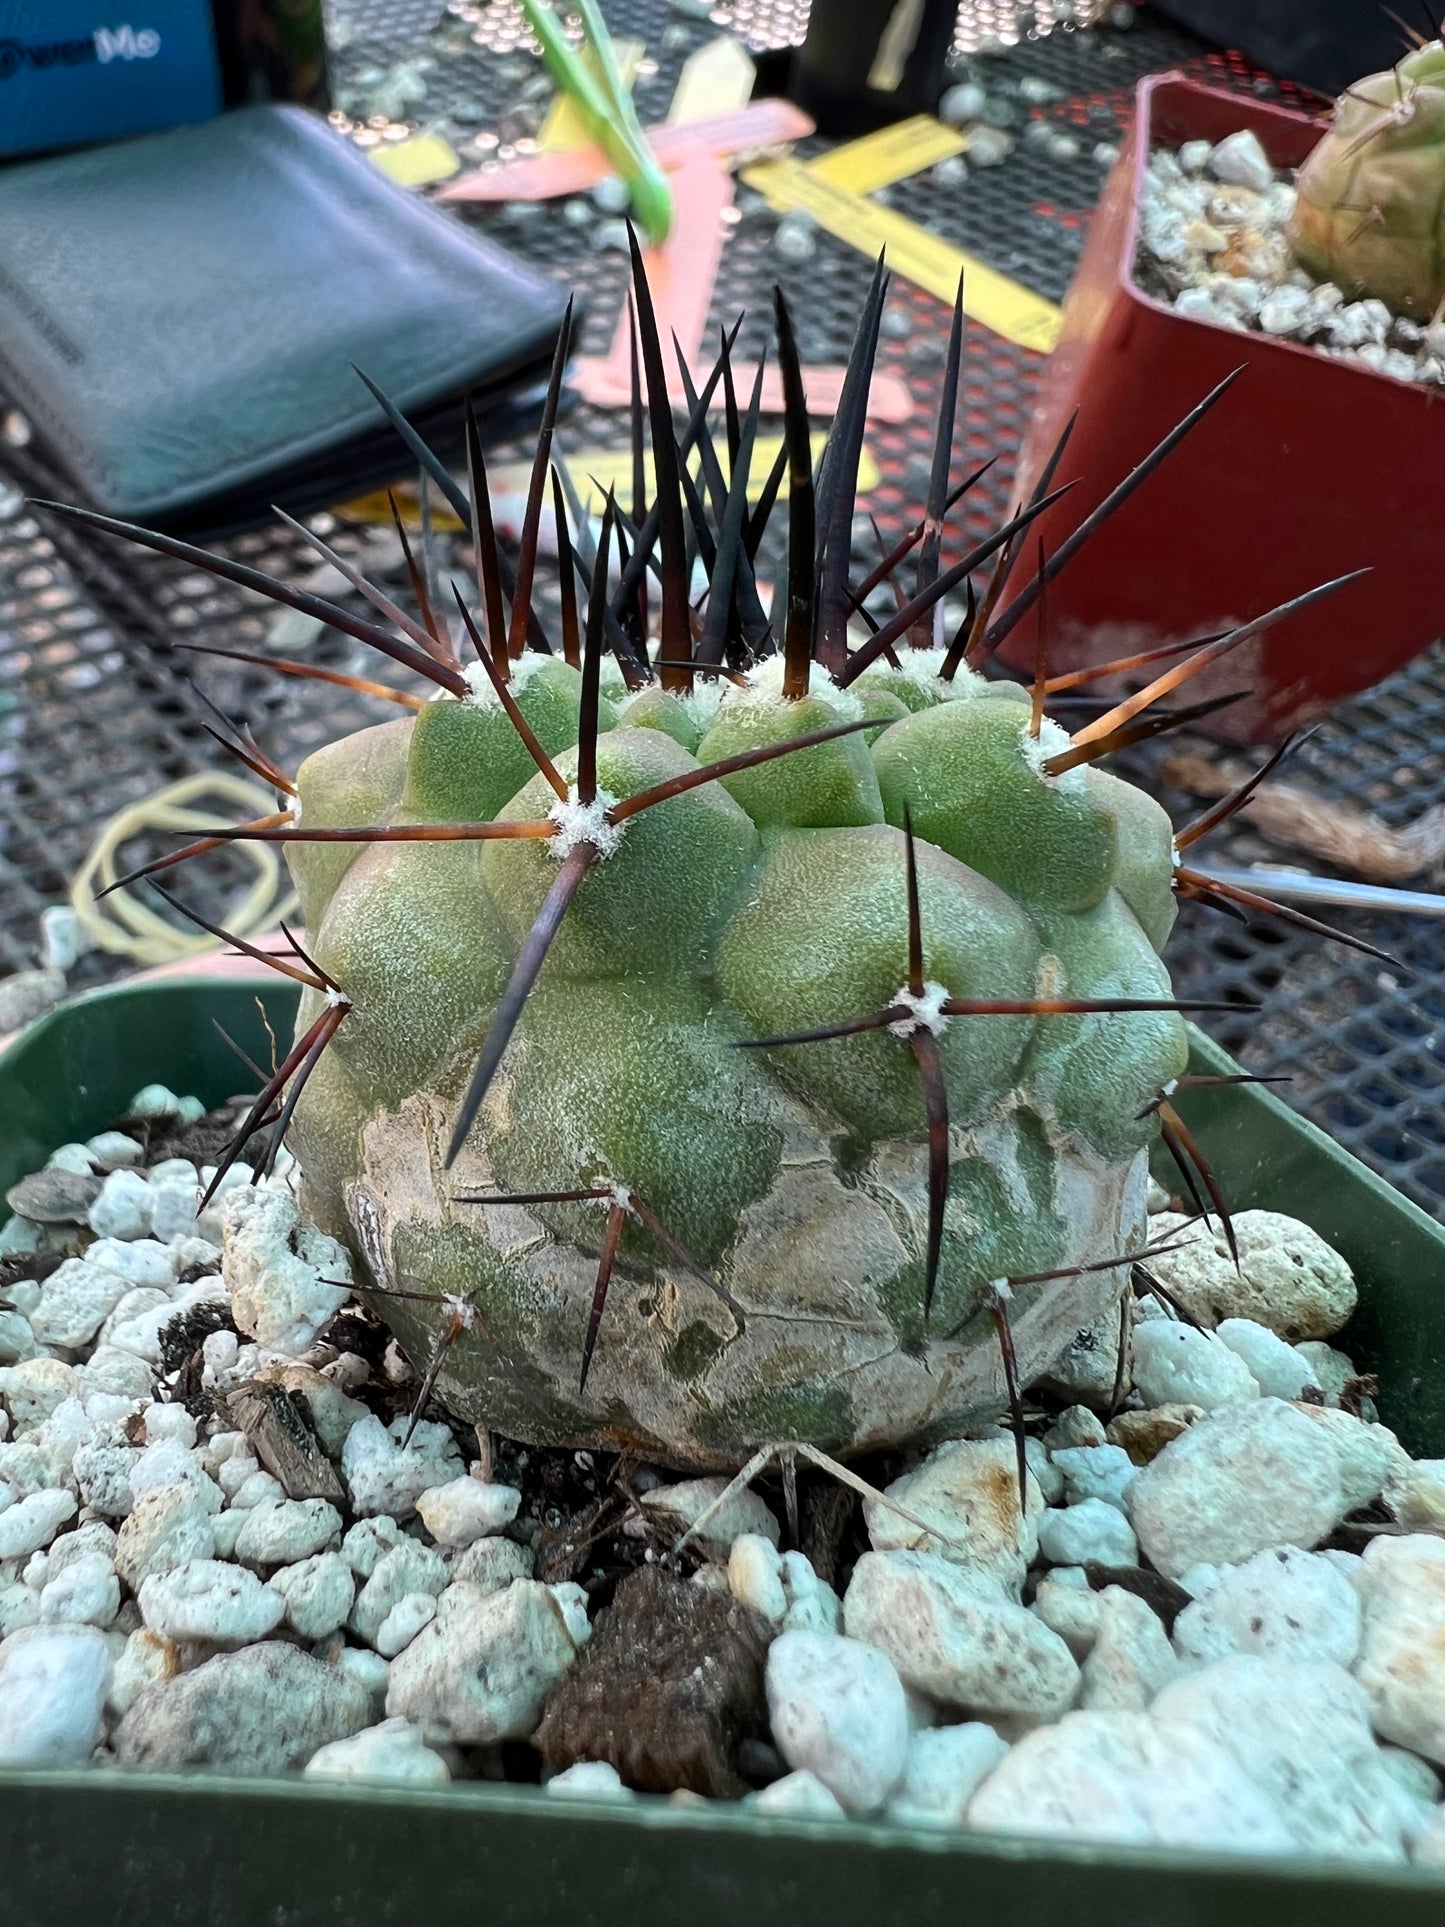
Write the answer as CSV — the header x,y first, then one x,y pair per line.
x,y
1125,1779
968,1492
955,1636
463,1510
1175,1364
1091,1531
395,1750
1282,1603
156,1576
943,1768
53,1682
1240,1480
590,1780
838,1711
1130,1659
691,1499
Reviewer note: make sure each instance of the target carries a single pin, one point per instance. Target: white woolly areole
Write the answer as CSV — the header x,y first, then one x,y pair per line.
x,y
1052,740
579,822
923,667
764,690
337,1000
924,1013
619,1195
1176,855
702,701
461,1309
482,691
292,806
997,1291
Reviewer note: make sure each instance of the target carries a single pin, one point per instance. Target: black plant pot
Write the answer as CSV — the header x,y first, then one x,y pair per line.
x,y
865,63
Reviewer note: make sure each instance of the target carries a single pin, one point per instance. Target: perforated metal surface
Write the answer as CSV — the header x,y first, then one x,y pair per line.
x,y
96,710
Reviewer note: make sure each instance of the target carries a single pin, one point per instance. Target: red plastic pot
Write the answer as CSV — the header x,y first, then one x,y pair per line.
x,y
1308,467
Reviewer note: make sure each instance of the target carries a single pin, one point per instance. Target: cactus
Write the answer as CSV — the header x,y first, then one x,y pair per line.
x,y
731,1043
1370,207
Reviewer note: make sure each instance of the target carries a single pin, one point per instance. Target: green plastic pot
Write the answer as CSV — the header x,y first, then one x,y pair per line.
x,y
98,1849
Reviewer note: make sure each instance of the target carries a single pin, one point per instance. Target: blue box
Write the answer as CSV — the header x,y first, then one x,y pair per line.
x,y
77,71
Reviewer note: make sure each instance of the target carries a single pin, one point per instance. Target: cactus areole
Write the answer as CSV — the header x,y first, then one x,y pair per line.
x,y
727,1029
1370,212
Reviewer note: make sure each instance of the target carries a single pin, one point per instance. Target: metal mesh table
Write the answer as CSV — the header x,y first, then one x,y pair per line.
x,y
98,707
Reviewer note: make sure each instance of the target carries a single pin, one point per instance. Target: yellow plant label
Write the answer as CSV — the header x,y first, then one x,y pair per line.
x,y
562,130
995,300
598,469
418,162
717,79
892,154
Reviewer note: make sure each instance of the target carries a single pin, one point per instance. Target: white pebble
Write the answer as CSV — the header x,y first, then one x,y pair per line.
x,y
954,1635
211,1600
837,1709
405,1620
146,1659
123,1209
394,1750
174,1204
1130,1659
1289,1279
52,1695
466,1509
1194,156
1176,1365
1120,1778
85,1593
1238,1481
33,1522
1371,1459
967,1492
382,1477
1284,1602
589,1780
408,1568
1276,1367
800,1795
961,103
1068,1606
318,1593
611,195
482,1670
279,1532
1093,1531
689,1499
1402,1658
1096,1472
287,1279
75,1301
755,1576
110,1149
944,1769
1240,160
367,1543
1301,1731
34,1388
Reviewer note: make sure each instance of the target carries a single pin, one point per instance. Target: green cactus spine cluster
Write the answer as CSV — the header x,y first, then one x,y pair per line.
x,y
727,1029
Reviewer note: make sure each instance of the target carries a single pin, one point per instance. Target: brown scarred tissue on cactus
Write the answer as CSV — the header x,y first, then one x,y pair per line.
x,y
726,1028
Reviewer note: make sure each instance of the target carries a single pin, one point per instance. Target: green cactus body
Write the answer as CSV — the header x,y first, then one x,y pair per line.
x,y
1370,208
770,902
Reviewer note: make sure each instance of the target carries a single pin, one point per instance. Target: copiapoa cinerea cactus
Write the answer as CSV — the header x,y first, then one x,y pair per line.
x,y
724,1028
1370,208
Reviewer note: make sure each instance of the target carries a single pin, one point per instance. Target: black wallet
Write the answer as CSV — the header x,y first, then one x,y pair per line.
x,y
180,315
